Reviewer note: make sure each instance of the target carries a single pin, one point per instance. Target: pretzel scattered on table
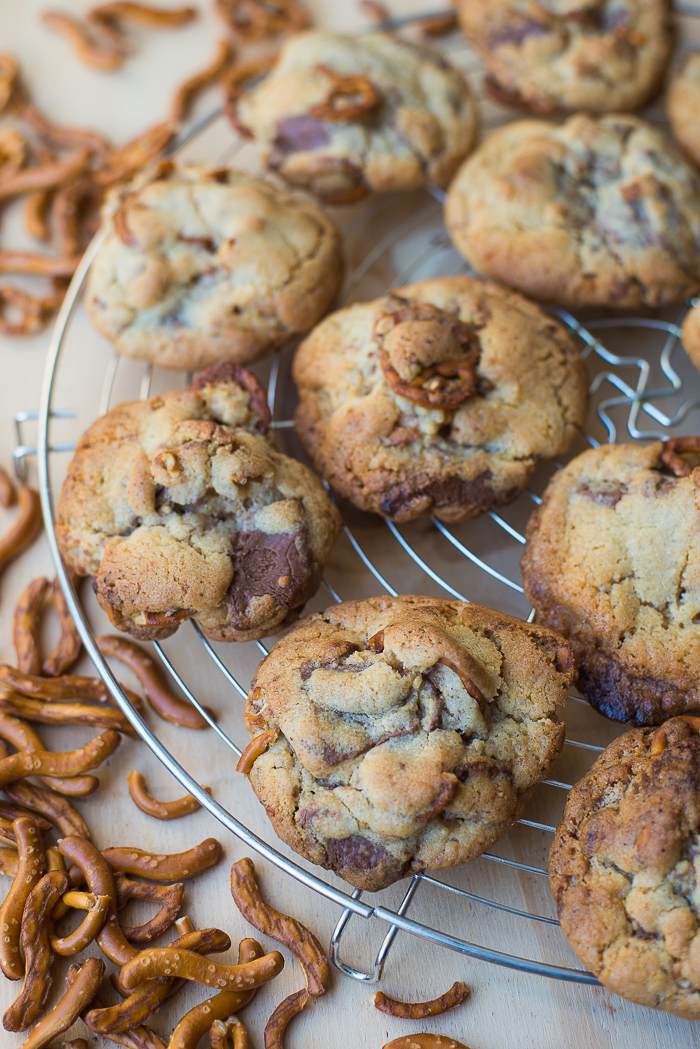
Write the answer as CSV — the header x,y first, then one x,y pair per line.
x,y
420,1010
66,1011
175,866
172,961
25,627
281,1017
31,866
160,810
23,737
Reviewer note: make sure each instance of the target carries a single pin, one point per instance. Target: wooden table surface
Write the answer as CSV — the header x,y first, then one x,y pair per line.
x,y
506,1008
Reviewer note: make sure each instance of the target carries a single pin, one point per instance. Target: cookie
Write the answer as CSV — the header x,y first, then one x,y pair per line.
x,y
405,733
201,265
438,398
690,334
625,865
602,56
683,106
599,211
346,115
181,508
612,563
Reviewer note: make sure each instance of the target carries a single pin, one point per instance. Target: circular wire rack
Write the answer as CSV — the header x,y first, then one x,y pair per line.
x,y
640,380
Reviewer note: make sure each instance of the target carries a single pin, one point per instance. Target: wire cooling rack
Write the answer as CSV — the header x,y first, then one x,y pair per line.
x,y
640,385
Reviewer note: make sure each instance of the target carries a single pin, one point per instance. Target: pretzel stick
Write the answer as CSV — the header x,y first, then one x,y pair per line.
x,y
185,94
7,831
34,311
139,1037
72,762
172,961
36,206
9,813
9,71
143,15
39,265
177,866
36,929
86,48
169,895
252,20
8,861
100,881
285,1011
13,151
89,928
257,746
120,163
228,1034
26,626
23,737
165,703
160,810
25,529
69,644
31,866
149,995
288,931
66,1011
419,1010
67,686
44,176
46,713
8,495
54,808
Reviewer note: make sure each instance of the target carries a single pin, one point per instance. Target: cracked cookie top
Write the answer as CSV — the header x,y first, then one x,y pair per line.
x,y
625,863
404,733
612,563
440,397
683,106
346,115
181,508
208,264
597,211
597,55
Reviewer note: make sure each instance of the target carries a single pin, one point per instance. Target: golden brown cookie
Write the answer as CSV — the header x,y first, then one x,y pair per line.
x,y
438,398
683,106
346,115
209,264
612,563
602,55
405,733
598,211
690,334
181,508
625,864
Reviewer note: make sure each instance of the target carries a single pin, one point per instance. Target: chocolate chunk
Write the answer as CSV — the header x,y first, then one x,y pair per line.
x,y
606,496
517,33
361,854
300,133
445,490
278,566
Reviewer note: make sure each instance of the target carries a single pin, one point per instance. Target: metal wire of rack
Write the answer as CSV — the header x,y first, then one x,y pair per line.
x,y
629,389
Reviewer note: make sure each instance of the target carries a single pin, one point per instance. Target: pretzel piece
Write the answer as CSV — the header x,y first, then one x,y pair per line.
x,y
349,98
254,20
36,931
228,1034
92,53
163,700
8,495
160,810
120,163
285,1011
25,626
143,15
186,92
45,176
176,866
257,746
670,457
173,961
69,646
140,1037
100,881
38,265
149,995
66,1011
68,763
169,896
288,931
8,861
89,928
25,529
420,1010
424,1041
31,866
659,740
46,713
13,151
438,25
23,737
9,71
9,813
57,810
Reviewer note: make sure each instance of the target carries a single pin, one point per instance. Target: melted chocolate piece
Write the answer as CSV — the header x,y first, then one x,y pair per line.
x,y
517,33
360,853
300,133
276,565
605,496
443,490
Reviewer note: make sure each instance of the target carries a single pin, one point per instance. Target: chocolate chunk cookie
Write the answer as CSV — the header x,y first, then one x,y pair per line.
x,y
595,212
683,106
612,563
438,398
597,55
404,733
181,508
208,264
344,115
625,865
